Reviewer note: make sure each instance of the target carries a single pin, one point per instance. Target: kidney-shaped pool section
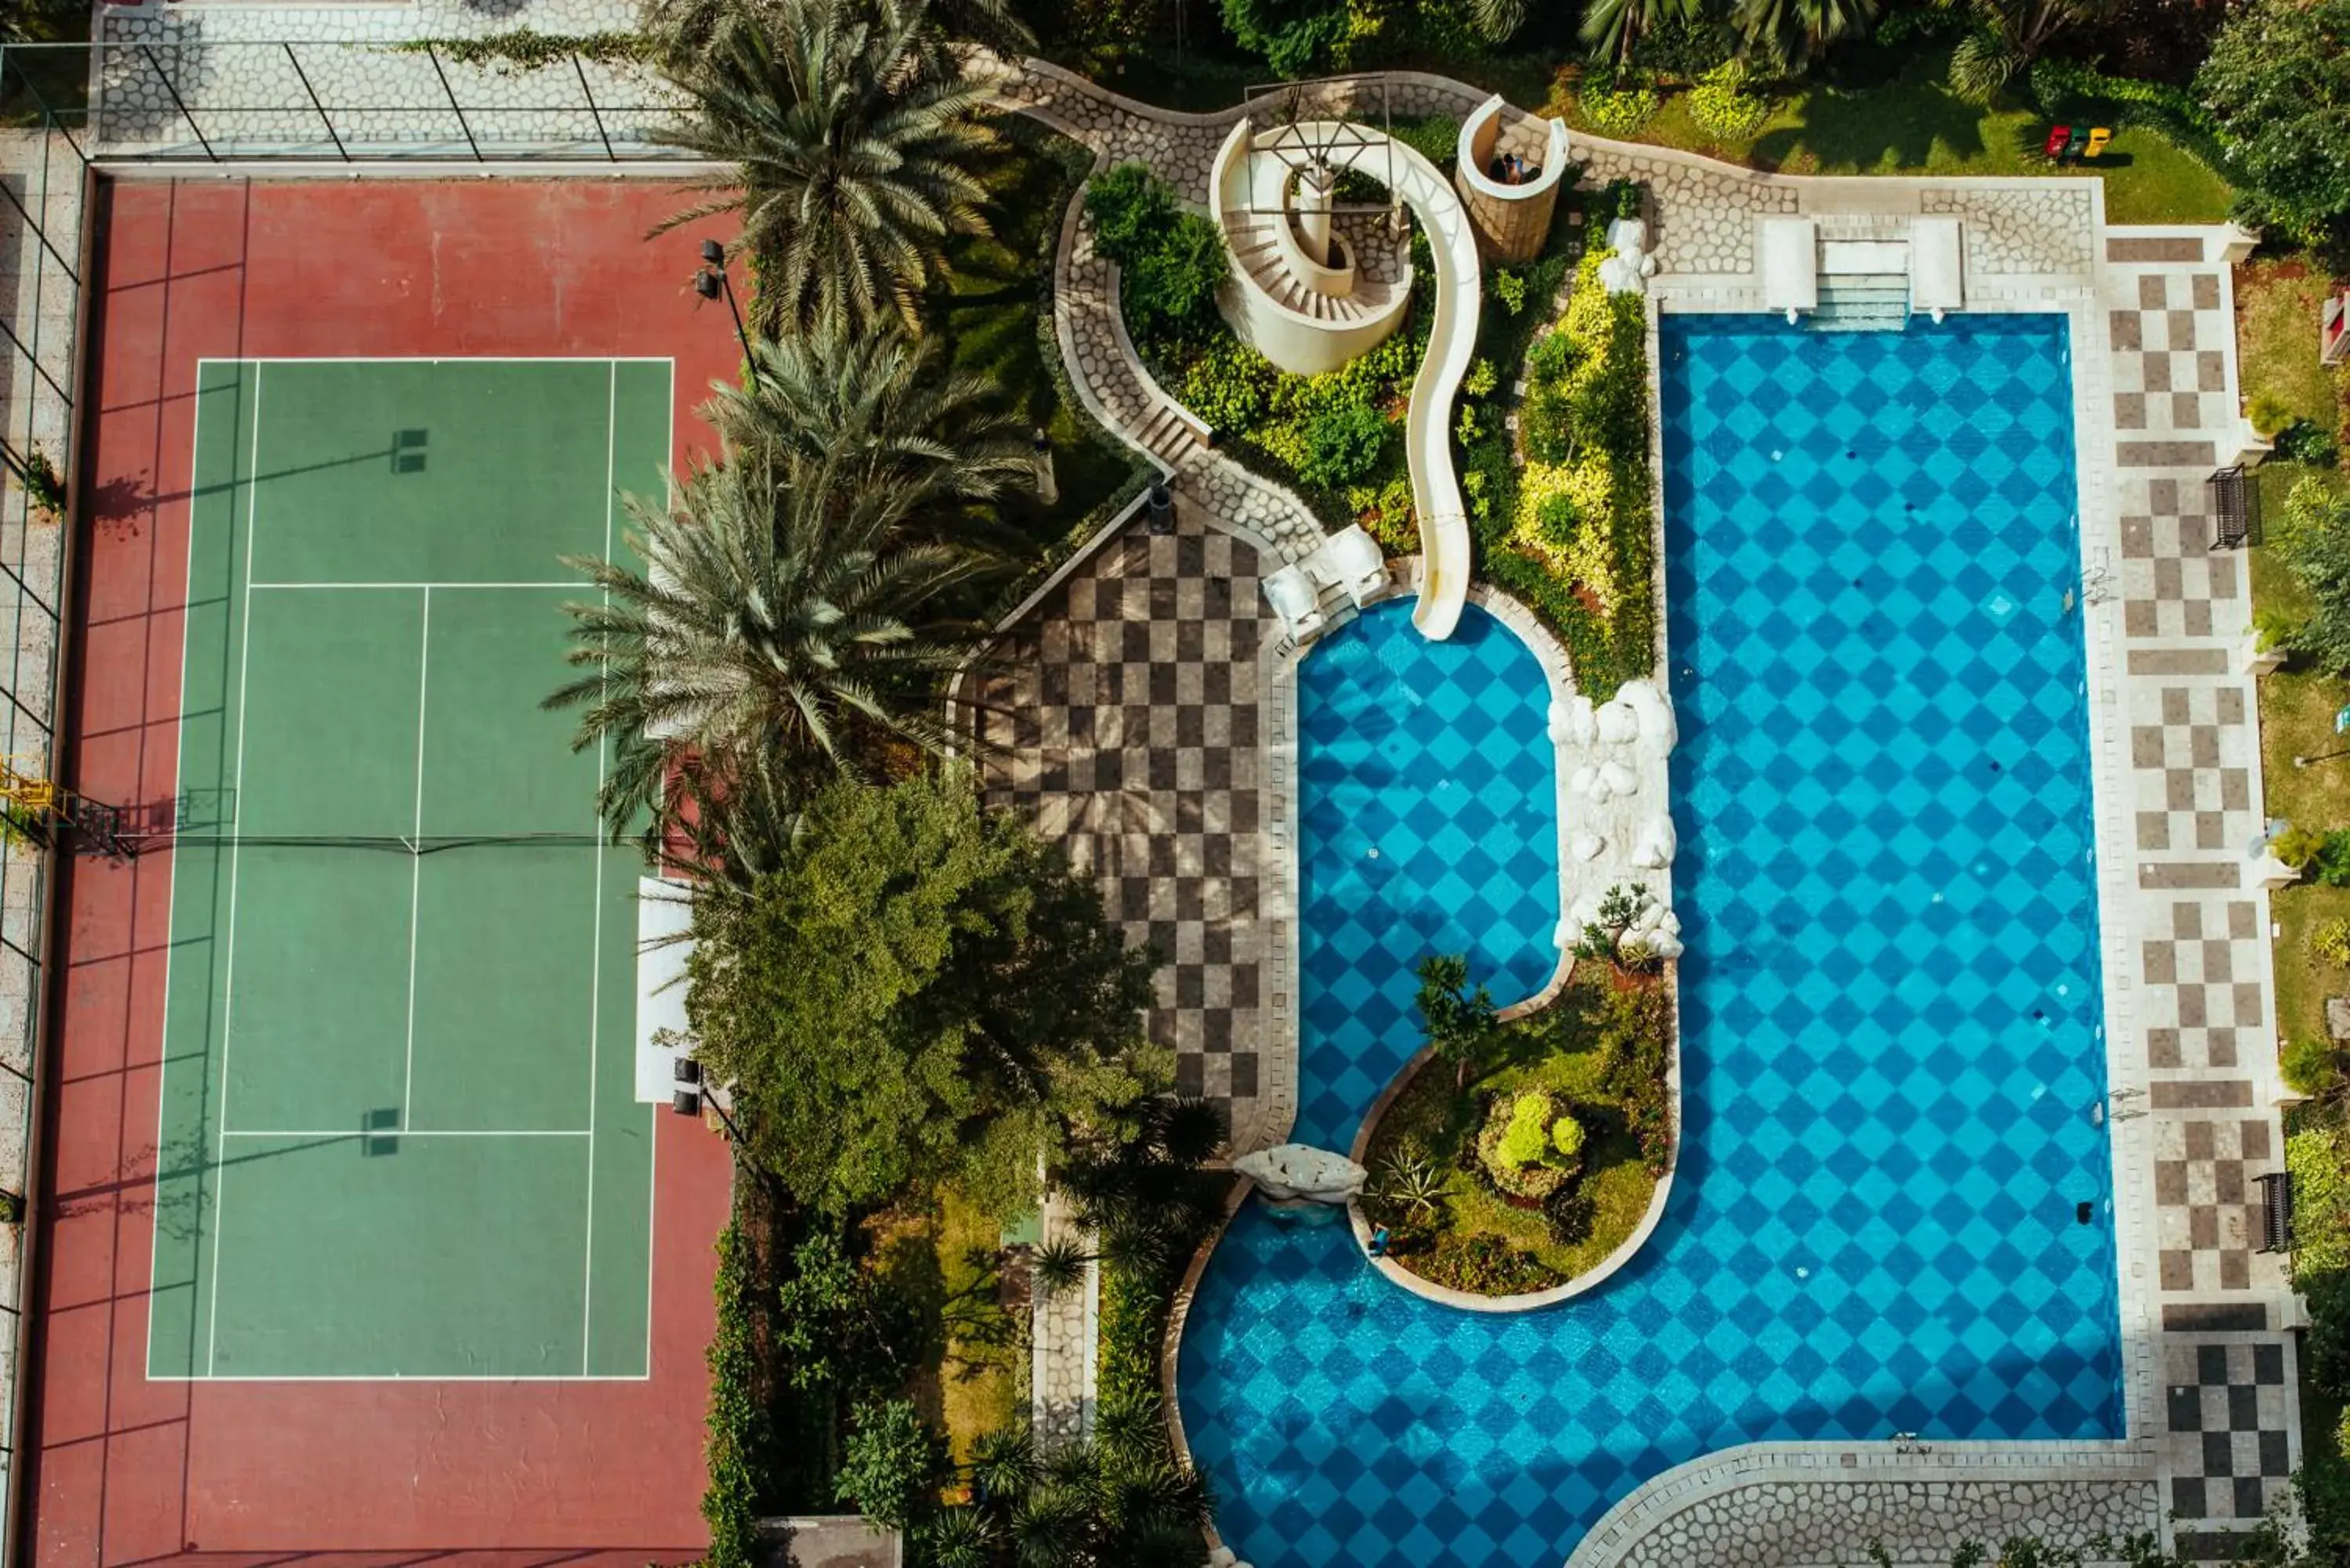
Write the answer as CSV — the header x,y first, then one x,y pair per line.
x,y
1892,1043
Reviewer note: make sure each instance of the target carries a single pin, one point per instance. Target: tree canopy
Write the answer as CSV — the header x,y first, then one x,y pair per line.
x,y
2278,85
2315,543
919,992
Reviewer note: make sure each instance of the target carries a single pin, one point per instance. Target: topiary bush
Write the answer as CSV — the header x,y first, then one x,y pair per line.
x,y
1615,109
1722,106
1529,1148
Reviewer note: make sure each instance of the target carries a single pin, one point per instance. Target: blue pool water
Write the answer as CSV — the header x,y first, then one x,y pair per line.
x,y
1890,1001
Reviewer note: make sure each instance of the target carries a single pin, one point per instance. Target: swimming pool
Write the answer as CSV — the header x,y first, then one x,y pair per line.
x,y
1891,1008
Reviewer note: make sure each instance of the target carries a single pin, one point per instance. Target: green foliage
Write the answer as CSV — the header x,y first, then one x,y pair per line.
x,y
1482,377
1626,31
1580,540
1788,35
1485,1264
1295,37
2320,1165
1635,1025
1413,1183
1171,262
1526,1138
1460,1021
851,136
919,992
44,487
893,1464
1566,1139
1435,137
1342,445
1510,290
521,50
2277,86
2330,940
2315,542
2310,1067
1614,107
738,1428
1724,107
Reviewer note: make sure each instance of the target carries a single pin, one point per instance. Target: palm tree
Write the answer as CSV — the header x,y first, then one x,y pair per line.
x,y
785,621
851,131
2009,35
1058,1266
883,406
1611,28
1787,34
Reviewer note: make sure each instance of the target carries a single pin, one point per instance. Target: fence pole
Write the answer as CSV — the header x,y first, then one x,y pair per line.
x,y
304,78
456,108
177,102
44,234
590,94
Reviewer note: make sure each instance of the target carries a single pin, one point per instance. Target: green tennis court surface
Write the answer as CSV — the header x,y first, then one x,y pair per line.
x,y
399,1134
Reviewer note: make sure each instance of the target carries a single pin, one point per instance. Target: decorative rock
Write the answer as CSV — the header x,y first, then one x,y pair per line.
x,y
1619,779
1586,845
1571,721
1619,723
1293,1171
1659,731
1655,847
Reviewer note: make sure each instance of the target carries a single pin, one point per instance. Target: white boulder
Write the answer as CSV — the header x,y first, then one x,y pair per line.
x,y
1586,845
1654,850
1664,944
1660,732
1571,723
1627,237
1619,779
1221,1557
1291,1171
1618,724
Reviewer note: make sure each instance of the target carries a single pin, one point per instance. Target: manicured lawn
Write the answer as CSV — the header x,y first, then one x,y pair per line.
x,y
2277,311
942,1266
1431,1115
989,312
1911,123
2297,709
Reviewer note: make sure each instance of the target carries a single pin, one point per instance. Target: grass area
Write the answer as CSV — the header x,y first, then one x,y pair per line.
x,y
2277,312
992,313
1908,121
943,1266
2297,709
1563,1058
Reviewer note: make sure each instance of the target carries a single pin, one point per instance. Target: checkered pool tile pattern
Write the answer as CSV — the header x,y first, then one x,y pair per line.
x,y
1892,1209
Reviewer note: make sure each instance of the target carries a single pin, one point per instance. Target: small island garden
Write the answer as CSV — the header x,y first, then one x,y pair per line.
x,y
1539,1153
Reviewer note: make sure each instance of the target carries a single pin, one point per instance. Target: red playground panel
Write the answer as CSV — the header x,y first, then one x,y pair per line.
x,y
125,1469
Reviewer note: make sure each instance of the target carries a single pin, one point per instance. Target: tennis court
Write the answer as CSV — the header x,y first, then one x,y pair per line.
x,y
400,1136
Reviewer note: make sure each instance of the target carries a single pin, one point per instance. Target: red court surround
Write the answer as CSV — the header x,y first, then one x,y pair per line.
x,y
122,1470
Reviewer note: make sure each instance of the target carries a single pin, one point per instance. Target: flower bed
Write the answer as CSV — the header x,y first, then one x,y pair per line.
x,y
1481,1187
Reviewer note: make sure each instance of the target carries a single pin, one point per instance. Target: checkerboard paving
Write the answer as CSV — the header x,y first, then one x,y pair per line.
x,y
2194,752
2205,971
2228,1423
1126,715
2206,1202
2170,577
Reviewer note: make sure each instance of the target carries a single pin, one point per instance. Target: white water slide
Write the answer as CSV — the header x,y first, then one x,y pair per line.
x,y
1445,554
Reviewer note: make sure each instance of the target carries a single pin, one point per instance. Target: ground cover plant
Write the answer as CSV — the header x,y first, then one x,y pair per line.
x,y
1538,1154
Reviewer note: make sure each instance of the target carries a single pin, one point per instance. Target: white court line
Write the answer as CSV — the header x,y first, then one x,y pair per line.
x,y
416,861
573,583
436,359
408,1132
404,1377
595,959
236,865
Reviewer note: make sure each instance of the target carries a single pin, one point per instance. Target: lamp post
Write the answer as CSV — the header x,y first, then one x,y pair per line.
x,y
713,281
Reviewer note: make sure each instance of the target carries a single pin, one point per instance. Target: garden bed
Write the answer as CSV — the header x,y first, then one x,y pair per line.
x,y
1600,1055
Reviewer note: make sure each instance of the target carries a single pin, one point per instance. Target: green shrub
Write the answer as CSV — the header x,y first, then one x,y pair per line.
x,y
2330,941
1526,1139
1342,445
1723,107
1510,289
738,1430
1566,1139
1481,380
1171,262
2321,1203
1613,109
2310,1067
2323,855
893,1463
1435,137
